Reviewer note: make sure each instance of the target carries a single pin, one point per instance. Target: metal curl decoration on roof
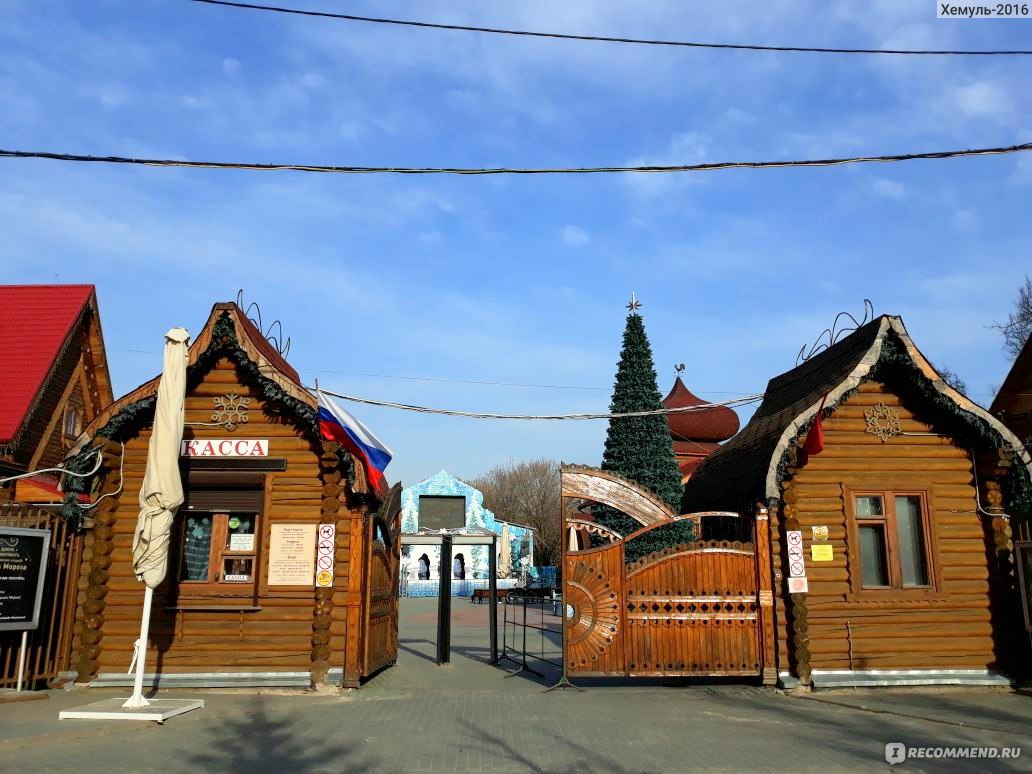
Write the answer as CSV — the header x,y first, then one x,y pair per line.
x,y
282,347
830,336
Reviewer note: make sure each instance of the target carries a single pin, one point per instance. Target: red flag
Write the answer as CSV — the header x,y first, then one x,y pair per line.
x,y
814,443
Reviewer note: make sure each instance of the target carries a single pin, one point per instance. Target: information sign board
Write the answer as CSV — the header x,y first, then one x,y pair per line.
x,y
23,564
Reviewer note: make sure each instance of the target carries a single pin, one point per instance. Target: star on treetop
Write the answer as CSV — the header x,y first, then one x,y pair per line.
x,y
634,304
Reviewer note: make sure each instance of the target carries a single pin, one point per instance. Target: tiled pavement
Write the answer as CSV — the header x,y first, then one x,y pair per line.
x,y
466,716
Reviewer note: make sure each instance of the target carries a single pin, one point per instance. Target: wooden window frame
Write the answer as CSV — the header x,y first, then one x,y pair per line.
x,y
71,437
895,591
213,586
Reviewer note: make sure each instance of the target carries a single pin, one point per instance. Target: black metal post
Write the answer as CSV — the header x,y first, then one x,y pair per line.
x,y
492,587
444,603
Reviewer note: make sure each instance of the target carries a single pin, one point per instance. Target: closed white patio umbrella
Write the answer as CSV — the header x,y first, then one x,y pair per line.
x,y
162,491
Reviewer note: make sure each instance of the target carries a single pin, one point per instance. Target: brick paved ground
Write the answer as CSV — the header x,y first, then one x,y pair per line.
x,y
418,716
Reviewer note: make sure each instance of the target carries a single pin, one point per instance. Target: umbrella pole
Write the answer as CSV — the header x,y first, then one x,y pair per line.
x,y
137,700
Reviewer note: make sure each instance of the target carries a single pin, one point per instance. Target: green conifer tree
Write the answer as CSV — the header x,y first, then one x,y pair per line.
x,y
640,448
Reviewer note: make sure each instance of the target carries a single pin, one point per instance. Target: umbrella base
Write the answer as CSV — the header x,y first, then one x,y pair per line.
x,y
158,710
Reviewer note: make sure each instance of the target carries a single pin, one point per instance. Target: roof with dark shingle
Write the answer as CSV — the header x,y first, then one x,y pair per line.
x,y
737,471
745,468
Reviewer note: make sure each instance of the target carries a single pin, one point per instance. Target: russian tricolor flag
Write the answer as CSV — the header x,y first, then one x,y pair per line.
x,y
335,424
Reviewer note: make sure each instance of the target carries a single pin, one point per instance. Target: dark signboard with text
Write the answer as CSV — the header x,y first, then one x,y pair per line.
x,y
23,564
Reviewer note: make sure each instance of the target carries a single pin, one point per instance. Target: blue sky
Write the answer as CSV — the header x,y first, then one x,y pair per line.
x,y
517,279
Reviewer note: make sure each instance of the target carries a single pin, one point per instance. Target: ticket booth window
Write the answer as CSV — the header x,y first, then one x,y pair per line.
x,y
220,529
219,548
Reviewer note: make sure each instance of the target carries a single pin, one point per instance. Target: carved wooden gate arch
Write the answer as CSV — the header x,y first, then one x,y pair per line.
x,y
692,609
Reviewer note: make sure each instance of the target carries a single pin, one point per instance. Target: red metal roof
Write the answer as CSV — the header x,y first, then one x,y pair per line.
x,y
35,321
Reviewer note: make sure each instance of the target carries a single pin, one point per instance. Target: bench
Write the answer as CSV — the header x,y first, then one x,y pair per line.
x,y
479,595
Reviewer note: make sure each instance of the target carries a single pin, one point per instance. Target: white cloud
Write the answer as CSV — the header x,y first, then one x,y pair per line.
x,y
313,80
690,147
982,98
890,189
575,236
965,219
230,65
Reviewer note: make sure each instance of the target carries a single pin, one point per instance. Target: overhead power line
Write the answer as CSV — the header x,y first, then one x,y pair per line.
x,y
489,415
359,170
608,39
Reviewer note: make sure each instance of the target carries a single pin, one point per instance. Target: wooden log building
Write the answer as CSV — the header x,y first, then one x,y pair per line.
x,y
892,549
244,602
55,380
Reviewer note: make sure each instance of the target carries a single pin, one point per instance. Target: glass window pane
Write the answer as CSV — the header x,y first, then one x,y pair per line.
x,y
872,556
239,531
911,540
237,569
197,547
869,506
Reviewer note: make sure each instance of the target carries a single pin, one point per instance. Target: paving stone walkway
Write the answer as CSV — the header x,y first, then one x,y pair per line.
x,y
467,716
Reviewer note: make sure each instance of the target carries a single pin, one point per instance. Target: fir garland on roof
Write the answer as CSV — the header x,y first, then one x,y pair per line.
x,y
224,343
896,367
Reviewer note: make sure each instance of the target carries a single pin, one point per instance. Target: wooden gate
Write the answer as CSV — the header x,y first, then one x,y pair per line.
x,y
699,608
50,645
383,563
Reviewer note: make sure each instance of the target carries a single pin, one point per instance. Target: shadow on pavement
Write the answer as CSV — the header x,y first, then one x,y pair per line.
x,y
255,741
586,759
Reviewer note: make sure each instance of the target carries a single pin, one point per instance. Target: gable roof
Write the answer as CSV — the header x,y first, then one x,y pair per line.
x,y
746,467
269,362
36,323
1018,379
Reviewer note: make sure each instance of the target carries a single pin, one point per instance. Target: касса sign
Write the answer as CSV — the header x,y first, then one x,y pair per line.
x,y
23,562
225,447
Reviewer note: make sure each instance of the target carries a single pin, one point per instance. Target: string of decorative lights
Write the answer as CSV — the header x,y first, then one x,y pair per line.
x,y
490,415
611,39
323,168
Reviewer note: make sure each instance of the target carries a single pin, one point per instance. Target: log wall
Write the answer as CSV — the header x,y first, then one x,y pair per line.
x,y
829,628
281,629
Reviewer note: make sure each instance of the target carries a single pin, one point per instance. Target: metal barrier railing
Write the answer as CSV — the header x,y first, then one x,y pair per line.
x,y
540,617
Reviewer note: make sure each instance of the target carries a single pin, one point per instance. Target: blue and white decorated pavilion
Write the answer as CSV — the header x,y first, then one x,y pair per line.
x,y
421,568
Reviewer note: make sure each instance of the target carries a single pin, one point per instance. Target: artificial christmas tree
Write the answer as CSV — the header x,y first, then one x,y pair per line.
x,y
639,448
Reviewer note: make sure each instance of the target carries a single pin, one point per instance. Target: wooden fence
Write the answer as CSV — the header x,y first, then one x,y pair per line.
x,y
50,645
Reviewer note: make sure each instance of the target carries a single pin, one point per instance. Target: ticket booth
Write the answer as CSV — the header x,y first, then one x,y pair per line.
x,y
283,562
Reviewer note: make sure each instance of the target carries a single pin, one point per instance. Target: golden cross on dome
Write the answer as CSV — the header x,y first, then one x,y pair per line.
x,y
634,305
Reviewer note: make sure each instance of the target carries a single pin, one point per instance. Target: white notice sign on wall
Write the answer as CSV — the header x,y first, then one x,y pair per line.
x,y
292,554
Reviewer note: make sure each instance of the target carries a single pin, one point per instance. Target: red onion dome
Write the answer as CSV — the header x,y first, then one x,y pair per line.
x,y
714,424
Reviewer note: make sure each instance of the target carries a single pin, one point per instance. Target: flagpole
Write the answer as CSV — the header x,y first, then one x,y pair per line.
x,y
136,701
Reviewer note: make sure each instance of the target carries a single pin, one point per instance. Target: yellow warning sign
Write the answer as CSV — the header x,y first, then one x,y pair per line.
x,y
821,553
324,579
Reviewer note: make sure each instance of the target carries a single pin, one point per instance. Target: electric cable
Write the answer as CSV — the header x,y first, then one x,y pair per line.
x,y
324,168
491,415
611,39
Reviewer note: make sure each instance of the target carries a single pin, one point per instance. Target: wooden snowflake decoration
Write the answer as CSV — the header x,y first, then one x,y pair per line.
x,y
231,410
883,421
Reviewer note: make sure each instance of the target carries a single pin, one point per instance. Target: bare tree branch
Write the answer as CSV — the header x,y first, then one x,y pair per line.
x,y
1018,326
527,493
